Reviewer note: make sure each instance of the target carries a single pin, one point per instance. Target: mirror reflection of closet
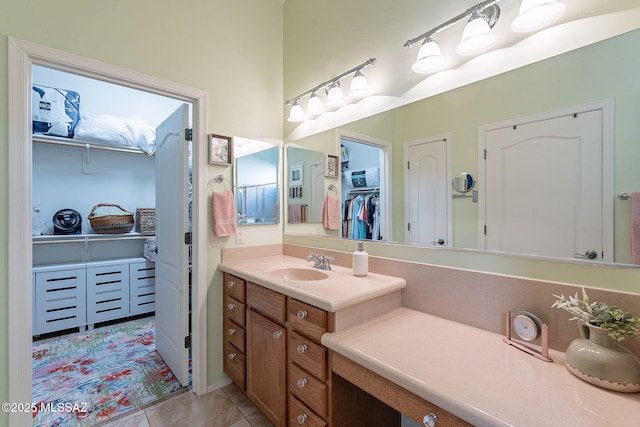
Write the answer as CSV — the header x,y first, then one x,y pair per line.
x,y
305,189
256,181
362,205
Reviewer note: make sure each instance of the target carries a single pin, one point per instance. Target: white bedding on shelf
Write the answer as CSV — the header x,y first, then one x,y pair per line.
x,y
116,131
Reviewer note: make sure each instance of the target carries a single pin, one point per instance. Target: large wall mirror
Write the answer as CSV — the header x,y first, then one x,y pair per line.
x,y
256,181
601,72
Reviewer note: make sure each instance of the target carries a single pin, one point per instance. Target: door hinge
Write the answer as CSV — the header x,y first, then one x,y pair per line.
x,y
188,237
485,229
187,341
408,165
485,154
408,226
188,134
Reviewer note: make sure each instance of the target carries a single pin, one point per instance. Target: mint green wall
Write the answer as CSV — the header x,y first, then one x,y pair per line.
x,y
229,48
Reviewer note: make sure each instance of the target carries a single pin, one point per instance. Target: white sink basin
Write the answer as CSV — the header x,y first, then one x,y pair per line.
x,y
298,274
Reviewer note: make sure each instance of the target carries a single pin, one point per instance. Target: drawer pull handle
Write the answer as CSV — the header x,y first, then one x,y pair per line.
x,y
302,314
302,348
231,306
277,334
231,283
231,331
430,419
302,382
231,356
302,418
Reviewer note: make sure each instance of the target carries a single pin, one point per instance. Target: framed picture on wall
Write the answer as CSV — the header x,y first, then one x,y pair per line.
x,y
295,175
219,149
331,166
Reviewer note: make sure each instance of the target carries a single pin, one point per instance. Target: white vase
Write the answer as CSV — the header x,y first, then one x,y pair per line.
x,y
599,360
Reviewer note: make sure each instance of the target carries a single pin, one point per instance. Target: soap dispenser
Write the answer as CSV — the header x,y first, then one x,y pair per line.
x,y
360,261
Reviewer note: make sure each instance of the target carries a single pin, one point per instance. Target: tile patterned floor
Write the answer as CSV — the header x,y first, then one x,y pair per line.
x,y
225,407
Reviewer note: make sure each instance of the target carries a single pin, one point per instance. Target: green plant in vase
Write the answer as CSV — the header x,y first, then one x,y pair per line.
x,y
596,357
615,320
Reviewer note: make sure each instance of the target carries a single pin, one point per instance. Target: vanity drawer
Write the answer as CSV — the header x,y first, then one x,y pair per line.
x,y
308,355
234,310
267,302
299,414
234,286
308,320
234,365
234,333
308,389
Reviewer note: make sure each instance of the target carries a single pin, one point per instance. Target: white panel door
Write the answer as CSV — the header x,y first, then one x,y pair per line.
x,y
426,200
544,191
172,293
316,192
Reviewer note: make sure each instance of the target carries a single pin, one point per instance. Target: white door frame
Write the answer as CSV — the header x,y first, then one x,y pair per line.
x,y
607,108
22,56
448,139
385,166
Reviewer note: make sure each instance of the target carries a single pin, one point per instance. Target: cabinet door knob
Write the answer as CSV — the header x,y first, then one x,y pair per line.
x,y
231,331
302,418
231,356
302,382
430,419
302,348
231,283
277,334
231,306
302,314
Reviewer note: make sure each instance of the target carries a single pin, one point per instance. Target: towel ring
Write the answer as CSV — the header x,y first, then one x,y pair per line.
x,y
624,196
332,187
219,179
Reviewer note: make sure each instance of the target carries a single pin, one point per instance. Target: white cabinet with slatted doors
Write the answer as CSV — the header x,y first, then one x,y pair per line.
x,y
59,295
107,291
142,287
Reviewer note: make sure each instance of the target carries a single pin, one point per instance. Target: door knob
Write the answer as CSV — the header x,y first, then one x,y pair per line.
x,y
589,254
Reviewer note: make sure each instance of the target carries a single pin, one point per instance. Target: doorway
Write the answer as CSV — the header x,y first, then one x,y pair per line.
x,y
365,173
23,55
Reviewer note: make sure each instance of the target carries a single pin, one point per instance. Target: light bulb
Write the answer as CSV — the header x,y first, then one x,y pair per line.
x,y
536,14
359,87
314,106
429,58
476,37
296,115
335,96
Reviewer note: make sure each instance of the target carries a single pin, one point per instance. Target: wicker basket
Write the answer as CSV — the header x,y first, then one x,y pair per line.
x,y
146,221
112,223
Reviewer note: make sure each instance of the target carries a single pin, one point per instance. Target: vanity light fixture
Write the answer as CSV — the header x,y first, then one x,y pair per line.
x,y
536,14
359,88
477,36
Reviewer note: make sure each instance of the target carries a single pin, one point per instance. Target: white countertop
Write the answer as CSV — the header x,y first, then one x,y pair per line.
x,y
340,290
474,375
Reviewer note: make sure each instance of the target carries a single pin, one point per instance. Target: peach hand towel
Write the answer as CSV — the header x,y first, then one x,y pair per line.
x,y
331,213
635,228
224,214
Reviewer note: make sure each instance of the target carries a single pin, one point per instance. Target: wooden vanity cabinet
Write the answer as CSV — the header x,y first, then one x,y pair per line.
x,y
234,329
309,387
267,352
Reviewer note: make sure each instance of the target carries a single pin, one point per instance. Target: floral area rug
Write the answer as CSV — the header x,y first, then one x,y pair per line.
x,y
85,379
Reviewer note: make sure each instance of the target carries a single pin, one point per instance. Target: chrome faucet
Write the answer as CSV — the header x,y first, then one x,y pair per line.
x,y
323,262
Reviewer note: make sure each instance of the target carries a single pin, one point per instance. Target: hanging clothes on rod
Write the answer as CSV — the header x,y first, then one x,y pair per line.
x,y
361,213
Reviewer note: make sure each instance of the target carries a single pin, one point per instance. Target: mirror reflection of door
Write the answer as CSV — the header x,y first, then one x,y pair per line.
x,y
544,190
427,192
363,180
316,170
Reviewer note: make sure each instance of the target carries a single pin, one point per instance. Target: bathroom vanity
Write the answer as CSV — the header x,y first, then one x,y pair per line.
x,y
325,348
